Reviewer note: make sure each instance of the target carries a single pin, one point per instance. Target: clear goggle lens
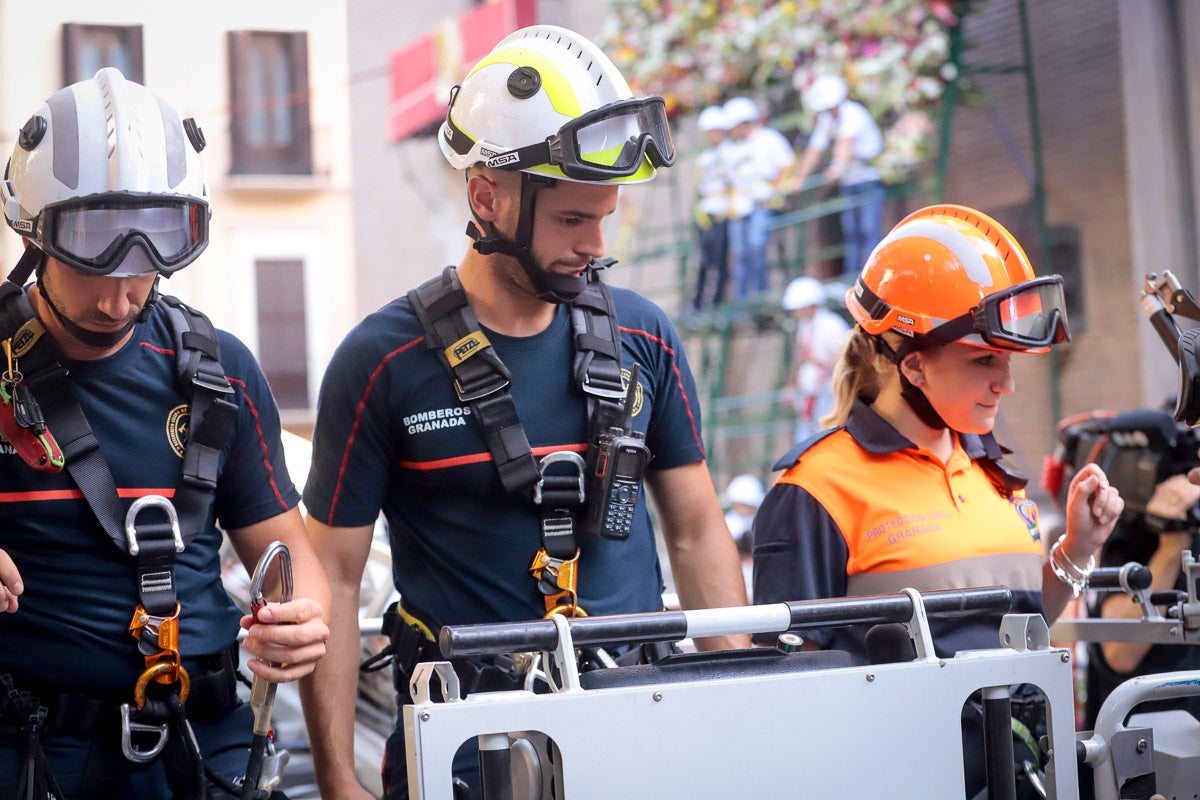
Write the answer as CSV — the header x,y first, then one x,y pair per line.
x,y
95,236
615,138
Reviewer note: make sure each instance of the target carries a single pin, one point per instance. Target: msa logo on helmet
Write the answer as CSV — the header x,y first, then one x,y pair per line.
x,y
23,225
500,161
483,151
905,320
448,132
466,347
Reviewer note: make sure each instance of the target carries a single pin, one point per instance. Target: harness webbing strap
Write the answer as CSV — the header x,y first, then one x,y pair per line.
x,y
597,364
480,377
213,413
482,381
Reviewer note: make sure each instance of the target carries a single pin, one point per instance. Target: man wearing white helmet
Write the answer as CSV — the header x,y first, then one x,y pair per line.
x,y
471,411
761,157
820,336
848,127
112,399
718,200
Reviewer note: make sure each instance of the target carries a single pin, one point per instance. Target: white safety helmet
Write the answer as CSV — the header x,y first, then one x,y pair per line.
x,y
547,101
802,293
713,118
746,489
741,109
106,169
826,92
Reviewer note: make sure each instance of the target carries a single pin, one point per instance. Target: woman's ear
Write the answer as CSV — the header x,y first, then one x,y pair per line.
x,y
913,369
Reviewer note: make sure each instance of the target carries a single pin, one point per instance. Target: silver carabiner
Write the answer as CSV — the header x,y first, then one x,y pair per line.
x,y
129,749
151,501
275,550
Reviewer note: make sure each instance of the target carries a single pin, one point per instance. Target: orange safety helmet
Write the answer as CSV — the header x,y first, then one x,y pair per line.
x,y
950,273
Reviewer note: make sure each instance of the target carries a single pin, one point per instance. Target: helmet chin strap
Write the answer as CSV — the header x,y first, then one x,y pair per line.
x,y
96,339
550,287
915,398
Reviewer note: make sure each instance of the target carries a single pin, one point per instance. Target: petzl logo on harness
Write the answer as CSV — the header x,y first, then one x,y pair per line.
x,y
466,347
26,337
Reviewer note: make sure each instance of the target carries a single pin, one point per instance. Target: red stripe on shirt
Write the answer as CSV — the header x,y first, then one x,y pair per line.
x,y
262,442
477,458
678,380
164,351
75,494
362,405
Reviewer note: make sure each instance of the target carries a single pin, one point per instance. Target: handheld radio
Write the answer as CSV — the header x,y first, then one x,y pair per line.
x,y
615,480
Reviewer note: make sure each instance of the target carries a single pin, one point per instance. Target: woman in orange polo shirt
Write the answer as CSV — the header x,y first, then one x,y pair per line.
x,y
909,488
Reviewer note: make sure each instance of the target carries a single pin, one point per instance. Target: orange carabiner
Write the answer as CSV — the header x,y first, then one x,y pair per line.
x,y
566,609
156,673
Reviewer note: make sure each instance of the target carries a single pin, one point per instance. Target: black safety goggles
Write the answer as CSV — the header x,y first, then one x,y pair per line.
x,y
1028,316
609,142
94,234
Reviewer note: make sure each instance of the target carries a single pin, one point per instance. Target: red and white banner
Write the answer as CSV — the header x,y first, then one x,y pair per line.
x,y
424,71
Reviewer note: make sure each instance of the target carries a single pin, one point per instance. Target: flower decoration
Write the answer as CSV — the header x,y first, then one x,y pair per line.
x,y
893,54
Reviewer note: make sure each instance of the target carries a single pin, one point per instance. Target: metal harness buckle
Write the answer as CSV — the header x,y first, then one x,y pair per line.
x,y
128,728
487,389
151,501
570,457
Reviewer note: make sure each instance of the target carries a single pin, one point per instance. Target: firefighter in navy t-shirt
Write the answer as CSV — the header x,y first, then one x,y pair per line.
x,y
100,413
562,132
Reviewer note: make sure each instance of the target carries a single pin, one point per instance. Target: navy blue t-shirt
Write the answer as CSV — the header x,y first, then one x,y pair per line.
x,y
72,625
391,434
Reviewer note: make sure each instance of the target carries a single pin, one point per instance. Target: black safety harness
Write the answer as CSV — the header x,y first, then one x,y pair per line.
x,y
153,540
482,381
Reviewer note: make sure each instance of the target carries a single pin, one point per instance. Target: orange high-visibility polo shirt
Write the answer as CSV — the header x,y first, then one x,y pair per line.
x,y
863,511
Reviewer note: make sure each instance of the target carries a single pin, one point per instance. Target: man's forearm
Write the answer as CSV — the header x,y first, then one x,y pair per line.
x,y
708,575
328,696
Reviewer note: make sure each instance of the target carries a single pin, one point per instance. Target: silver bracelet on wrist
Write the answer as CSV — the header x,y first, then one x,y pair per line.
x,y
1067,570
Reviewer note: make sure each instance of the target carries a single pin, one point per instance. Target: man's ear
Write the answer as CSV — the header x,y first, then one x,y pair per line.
x,y
483,195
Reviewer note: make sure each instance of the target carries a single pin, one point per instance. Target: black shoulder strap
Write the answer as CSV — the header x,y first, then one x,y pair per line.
x,y
213,412
199,369
47,381
480,377
597,364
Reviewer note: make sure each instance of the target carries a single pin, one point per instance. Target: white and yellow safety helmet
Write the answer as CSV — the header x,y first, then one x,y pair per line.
x,y
549,102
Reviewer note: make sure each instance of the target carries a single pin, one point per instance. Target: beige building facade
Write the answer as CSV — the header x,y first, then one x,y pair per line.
x,y
268,84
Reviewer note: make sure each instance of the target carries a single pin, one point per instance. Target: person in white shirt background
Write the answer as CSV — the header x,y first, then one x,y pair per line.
x,y
820,336
743,495
717,201
855,138
762,157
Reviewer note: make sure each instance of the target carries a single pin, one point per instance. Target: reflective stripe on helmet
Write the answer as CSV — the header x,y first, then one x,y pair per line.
x,y
954,241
